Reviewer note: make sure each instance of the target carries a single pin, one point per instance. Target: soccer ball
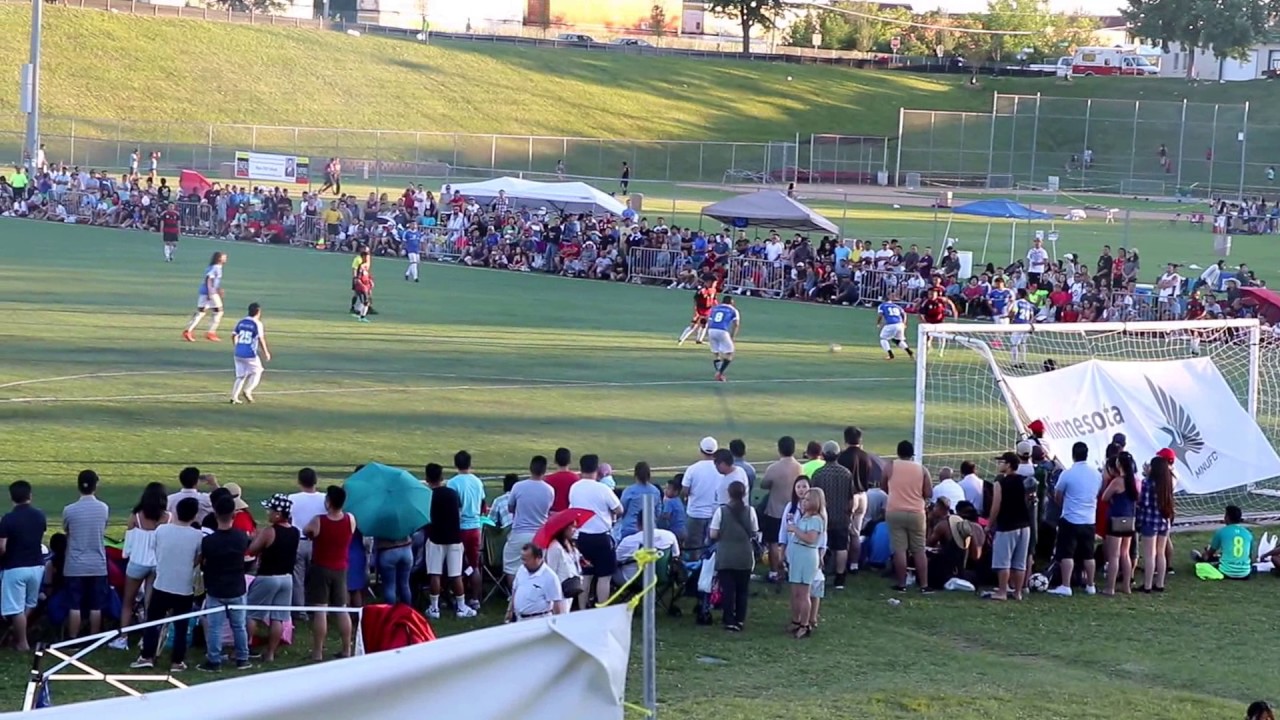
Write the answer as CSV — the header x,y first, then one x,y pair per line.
x,y
835,347
1038,583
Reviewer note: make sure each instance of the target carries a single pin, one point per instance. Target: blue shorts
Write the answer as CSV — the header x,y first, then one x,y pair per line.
x,y
20,589
86,594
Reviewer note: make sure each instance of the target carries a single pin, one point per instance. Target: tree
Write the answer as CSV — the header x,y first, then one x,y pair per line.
x,y
801,32
763,14
1030,29
1227,28
658,20
257,6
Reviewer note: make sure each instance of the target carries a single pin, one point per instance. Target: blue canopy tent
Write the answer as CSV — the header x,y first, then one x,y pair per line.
x,y
998,209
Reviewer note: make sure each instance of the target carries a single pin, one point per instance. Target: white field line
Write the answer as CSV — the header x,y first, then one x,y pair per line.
x,y
526,384
378,373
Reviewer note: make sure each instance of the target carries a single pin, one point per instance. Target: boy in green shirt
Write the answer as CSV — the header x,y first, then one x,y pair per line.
x,y
1231,548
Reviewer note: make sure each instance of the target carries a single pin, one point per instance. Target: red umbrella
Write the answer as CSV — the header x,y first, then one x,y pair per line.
x,y
559,521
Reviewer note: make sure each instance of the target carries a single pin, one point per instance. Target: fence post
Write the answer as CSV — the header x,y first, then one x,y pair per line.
x,y
991,146
1013,136
1244,145
701,147
493,152
253,137
1182,132
1213,147
209,146
1133,142
811,136
73,142
1084,166
1035,138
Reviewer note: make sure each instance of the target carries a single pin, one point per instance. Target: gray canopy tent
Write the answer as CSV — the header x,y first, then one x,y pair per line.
x,y
771,210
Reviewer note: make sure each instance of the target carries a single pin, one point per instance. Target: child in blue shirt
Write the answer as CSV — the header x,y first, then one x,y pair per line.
x,y
671,514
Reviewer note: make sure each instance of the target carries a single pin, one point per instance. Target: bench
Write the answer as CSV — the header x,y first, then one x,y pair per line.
x,y
733,176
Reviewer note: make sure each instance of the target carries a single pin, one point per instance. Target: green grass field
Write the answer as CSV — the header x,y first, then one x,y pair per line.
x,y
507,365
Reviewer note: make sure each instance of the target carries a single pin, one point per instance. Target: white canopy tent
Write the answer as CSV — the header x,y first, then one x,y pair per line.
x,y
573,197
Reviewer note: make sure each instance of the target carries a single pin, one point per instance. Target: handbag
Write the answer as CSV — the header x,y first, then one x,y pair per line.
x,y
1120,525
571,587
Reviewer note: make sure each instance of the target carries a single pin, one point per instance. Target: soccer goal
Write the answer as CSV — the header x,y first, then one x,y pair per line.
x,y
1209,390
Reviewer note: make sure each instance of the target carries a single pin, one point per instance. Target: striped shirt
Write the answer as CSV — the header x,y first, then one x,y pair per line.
x,y
85,522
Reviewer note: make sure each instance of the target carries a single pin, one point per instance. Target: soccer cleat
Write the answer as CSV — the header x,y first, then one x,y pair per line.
x,y
186,335
248,398
362,319
719,377
212,337
235,401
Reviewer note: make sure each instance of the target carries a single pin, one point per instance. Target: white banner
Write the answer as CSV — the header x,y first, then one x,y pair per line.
x,y
572,665
1184,405
276,168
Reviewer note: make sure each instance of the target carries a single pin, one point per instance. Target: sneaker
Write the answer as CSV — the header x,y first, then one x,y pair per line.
x,y
186,335
433,613
177,667
474,605
235,401
209,667
243,665
120,643
1061,591
719,377
212,337
465,612
1090,590
255,655
142,664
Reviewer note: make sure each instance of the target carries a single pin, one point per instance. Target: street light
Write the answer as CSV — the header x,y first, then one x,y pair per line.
x,y
30,85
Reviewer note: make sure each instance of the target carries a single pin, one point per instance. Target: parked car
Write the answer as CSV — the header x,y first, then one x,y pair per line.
x,y
576,38
632,42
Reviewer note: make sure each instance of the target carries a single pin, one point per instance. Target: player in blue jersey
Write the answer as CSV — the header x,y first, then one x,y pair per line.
x,y
1000,298
1022,313
251,351
412,250
892,321
722,328
210,298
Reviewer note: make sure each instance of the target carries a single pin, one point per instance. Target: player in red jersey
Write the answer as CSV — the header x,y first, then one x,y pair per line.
x,y
704,298
169,229
935,309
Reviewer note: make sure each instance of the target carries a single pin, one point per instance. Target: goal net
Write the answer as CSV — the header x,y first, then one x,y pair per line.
x,y
1206,389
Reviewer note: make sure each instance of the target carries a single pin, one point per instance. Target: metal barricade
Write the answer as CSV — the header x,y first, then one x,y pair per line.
x,y
81,204
195,218
441,249
307,231
757,276
871,287
653,265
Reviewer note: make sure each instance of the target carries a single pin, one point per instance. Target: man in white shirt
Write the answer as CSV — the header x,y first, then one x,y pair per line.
x,y
948,488
308,504
535,592
1169,285
595,537
189,478
1077,494
663,540
701,483
730,472
974,489
1211,276
1037,261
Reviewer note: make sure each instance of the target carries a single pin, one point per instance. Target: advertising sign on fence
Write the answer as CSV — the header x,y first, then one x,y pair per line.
x,y
277,168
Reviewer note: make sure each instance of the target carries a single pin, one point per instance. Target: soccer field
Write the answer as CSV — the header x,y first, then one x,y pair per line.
x,y
94,374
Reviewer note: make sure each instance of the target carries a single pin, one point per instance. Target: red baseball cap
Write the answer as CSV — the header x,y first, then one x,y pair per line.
x,y
1168,455
1036,426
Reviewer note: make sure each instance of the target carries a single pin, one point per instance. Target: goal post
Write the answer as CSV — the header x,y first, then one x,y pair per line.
x,y
1207,389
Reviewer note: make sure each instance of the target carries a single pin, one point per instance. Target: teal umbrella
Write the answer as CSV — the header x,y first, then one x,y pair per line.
x,y
389,503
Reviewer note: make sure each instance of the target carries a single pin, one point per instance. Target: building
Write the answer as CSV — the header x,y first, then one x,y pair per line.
x,y
1260,61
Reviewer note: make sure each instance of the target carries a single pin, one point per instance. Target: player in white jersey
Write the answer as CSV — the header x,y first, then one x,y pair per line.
x,y
250,339
209,299
892,321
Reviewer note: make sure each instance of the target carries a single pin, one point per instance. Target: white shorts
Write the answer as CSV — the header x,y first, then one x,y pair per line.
x,y
413,258
896,331
209,302
1002,320
1018,338
721,341
248,366
444,557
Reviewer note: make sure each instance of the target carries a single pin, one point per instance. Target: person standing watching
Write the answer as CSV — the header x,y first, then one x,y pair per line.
x,y
536,591
276,547
330,535
595,537
1077,494
909,487
836,482
190,479
222,561
1011,514
866,475
21,532
177,555
739,450
734,527
701,484
470,491
779,480
530,504
85,522
562,479
306,505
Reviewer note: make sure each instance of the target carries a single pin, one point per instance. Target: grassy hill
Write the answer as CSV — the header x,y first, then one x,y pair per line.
x,y
159,83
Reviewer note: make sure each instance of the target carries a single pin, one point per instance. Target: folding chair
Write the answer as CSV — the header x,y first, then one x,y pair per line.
x,y
495,540
672,579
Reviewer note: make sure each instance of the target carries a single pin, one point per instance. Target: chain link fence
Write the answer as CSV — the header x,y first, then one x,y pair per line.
x,y
1135,147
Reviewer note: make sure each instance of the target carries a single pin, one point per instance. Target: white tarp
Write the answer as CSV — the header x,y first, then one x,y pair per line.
x,y
1185,405
563,196
565,666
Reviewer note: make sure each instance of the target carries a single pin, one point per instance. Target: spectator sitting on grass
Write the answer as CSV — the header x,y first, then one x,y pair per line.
x,y
1231,549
